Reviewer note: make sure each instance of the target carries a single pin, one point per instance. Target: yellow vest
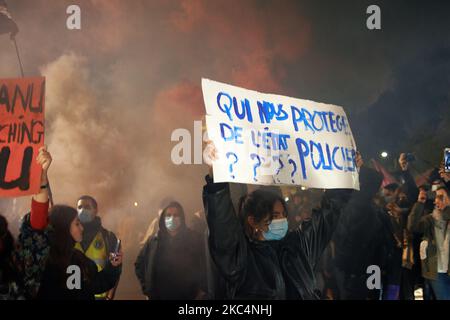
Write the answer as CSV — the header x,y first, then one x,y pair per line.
x,y
97,253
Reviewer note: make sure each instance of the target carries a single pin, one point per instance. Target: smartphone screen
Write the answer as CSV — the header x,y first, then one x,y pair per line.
x,y
447,160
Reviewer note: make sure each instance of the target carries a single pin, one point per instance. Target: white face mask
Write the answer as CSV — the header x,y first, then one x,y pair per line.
x,y
172,223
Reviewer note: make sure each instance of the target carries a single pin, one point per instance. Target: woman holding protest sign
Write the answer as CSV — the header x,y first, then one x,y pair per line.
x,y
254,251
46,258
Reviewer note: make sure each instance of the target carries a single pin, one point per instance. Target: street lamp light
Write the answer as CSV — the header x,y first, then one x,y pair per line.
x,y
384,154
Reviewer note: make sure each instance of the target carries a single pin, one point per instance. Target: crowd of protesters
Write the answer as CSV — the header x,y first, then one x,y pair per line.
x,y
312,245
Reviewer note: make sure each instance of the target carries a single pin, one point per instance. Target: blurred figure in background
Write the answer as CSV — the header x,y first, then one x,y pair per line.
x,y
171,265
434,249
154,224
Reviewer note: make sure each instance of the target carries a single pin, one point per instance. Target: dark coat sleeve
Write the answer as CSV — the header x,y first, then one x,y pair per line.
x,y
104,280
408,182
359,223
140,266
416,220
313,238
227,242
340,208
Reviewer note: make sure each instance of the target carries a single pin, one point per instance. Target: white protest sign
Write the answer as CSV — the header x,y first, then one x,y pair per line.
x,y
271,139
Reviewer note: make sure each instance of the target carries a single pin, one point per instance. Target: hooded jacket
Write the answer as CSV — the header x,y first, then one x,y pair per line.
x,y
172,267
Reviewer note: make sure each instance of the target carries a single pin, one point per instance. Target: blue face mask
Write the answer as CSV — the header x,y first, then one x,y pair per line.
x,y
85,215
172,223
277,229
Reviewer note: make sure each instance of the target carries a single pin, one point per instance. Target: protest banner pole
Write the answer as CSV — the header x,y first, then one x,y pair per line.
x,y
18,57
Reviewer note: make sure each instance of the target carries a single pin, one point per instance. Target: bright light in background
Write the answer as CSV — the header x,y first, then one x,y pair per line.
x,y
384,154
135,204
303,188
286,199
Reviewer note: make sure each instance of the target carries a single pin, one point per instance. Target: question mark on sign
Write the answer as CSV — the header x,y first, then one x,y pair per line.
x,y
254,156
231,164
280,167
295,168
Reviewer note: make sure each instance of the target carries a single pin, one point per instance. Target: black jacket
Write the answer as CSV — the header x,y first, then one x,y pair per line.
x,y
281,269
176,281
362,229
53,287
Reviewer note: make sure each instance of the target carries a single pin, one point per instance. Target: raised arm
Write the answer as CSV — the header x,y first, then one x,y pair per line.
x,y
227,242
416,219
335,206
39,201
407,179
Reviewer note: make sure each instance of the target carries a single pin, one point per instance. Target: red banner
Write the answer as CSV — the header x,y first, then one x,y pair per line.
x,y
22,105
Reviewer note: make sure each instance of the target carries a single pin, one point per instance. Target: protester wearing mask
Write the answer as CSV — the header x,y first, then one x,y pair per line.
x,y
154,224
171,265
98,243
254,251
434,249
46,250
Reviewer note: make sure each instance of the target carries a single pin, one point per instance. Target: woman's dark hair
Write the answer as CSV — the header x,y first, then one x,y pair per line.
x,y
391,187
402,189
445,190
62,243
258,204
5,237
425,187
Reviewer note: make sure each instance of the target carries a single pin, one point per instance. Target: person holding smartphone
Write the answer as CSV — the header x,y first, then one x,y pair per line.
x,y
434,249
48,263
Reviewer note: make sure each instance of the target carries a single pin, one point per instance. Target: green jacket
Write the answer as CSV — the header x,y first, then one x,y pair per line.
x,y
424,223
